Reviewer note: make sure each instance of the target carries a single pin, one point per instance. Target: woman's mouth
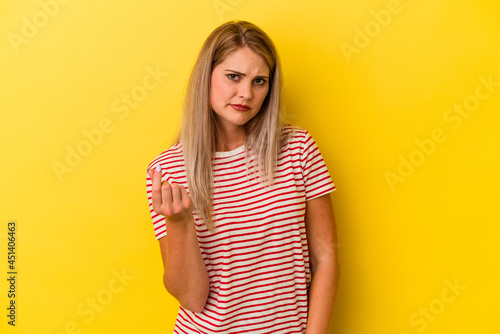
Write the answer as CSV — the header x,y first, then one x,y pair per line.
x,y
240,107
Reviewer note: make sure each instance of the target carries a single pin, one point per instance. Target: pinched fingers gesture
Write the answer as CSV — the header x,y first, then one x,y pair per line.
x,y
169,200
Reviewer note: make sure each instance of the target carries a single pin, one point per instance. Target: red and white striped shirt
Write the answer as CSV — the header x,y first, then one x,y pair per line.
x,y
257,260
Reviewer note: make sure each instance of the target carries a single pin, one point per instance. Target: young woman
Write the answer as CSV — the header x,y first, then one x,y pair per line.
x,y
240,203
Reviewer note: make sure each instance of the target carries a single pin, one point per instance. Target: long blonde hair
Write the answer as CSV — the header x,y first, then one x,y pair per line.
x,y
198,134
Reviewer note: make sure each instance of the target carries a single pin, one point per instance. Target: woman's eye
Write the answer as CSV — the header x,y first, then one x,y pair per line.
x,y
261,81
232,76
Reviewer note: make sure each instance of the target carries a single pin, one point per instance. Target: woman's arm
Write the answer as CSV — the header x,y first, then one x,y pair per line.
x,y
185,275
322,241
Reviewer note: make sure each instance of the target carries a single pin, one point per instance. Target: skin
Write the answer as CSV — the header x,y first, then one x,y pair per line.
x,y
321,233
227,87
185,274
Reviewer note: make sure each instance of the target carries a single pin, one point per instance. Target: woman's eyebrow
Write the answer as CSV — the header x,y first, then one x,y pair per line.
x,y
244,75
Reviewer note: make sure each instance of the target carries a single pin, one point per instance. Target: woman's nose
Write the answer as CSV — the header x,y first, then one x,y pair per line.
x,y
245,90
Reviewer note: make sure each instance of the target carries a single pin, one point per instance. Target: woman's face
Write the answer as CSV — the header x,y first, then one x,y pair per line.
x,y
241,79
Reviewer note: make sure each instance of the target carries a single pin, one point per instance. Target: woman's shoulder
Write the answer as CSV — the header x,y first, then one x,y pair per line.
x,y
172,156
294,133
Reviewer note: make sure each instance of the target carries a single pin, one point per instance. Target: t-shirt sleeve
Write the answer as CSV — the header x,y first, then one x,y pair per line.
x,y
159,224
317,179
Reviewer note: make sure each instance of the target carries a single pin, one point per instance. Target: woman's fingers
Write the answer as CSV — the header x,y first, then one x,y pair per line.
x,y
181,204
169,200
166,196
180,197
156,196
176,199
186,200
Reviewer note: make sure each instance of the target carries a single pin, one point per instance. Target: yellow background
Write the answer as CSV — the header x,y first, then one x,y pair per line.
x,y
401,244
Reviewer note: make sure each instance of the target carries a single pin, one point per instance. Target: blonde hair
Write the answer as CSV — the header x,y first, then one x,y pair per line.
x,y
199,129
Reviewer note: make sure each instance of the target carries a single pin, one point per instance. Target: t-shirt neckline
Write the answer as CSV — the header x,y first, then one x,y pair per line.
x,y
235,151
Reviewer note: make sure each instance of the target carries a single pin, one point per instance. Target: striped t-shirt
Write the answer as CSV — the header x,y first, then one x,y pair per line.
x,y
257,260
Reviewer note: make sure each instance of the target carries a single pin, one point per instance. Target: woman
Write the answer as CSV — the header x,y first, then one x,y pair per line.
x,y
251,242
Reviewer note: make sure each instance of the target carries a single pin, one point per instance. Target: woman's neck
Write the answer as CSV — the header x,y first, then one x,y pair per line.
x,y
230,140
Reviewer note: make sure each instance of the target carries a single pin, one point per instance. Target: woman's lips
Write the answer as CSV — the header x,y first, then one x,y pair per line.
x,y
240,107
